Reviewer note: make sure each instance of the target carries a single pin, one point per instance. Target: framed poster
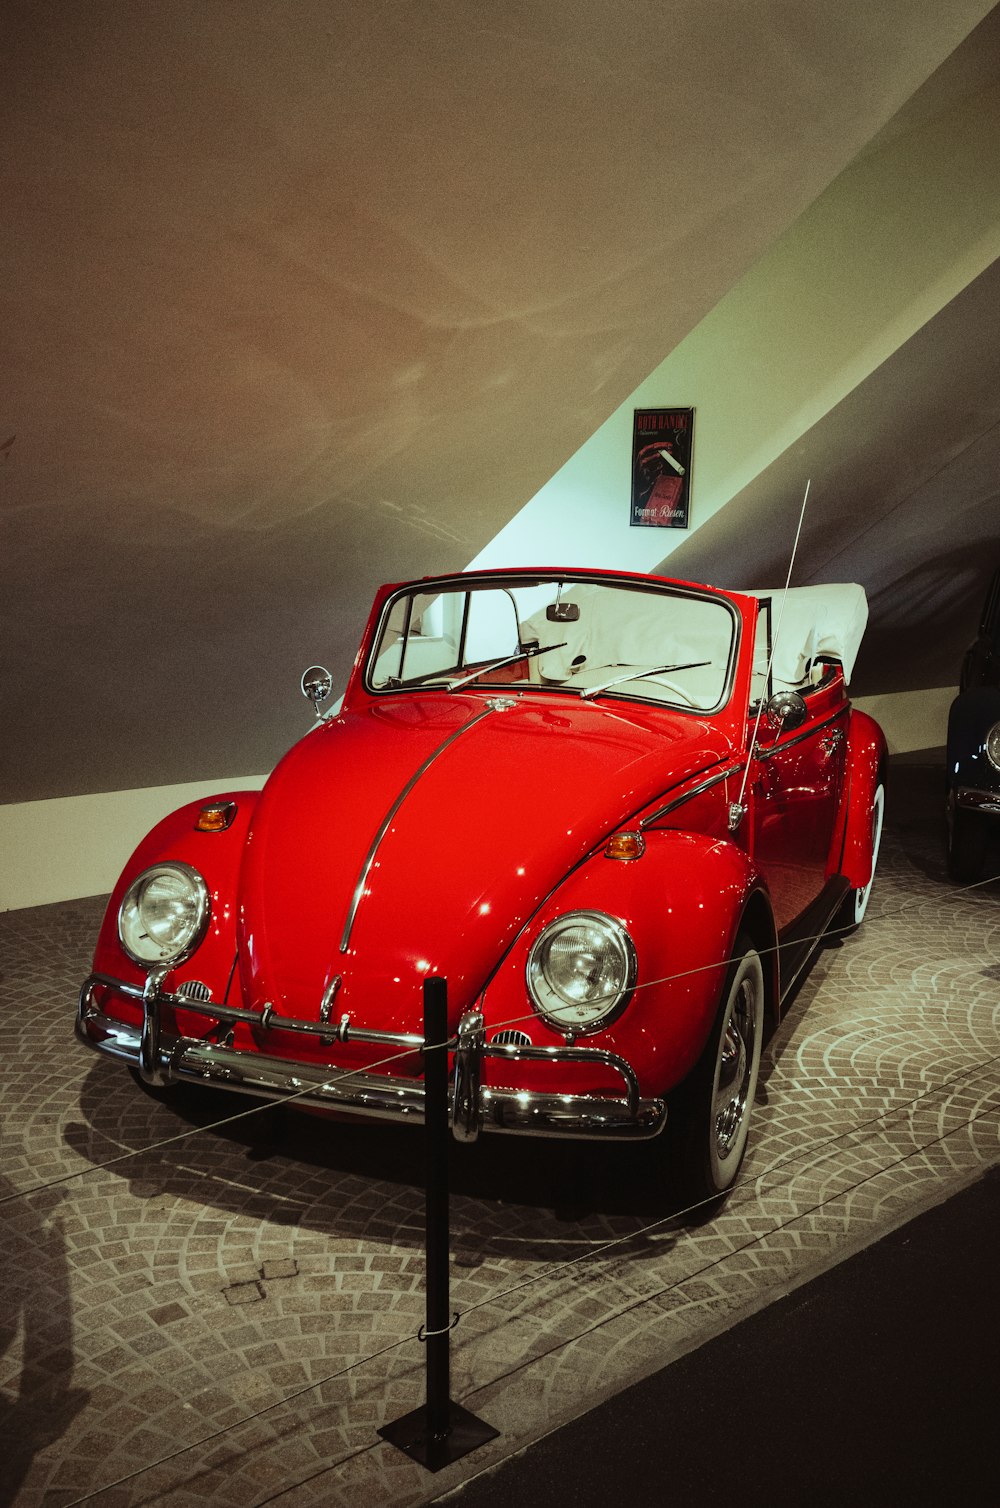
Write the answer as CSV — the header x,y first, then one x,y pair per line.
x,y
662,441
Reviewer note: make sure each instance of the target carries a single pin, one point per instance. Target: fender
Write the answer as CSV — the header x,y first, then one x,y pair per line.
x,y
217,856
705,890
867,755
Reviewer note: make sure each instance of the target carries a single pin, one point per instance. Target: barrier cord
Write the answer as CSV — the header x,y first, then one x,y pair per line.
x,y
551,1269
290,1099
740,1198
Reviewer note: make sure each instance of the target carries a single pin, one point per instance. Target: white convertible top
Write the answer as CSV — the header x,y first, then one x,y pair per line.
x,y
815,620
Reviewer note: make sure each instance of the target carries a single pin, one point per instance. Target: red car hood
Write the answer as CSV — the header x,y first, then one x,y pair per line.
x,y
490,819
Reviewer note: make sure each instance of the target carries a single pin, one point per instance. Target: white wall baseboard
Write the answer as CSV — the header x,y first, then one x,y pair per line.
x,y
71,846
911,719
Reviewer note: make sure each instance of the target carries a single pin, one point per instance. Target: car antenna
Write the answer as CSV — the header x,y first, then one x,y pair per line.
x,y
737,810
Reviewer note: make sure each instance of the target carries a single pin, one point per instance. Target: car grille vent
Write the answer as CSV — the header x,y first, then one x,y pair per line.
x,y
193,989
509,1038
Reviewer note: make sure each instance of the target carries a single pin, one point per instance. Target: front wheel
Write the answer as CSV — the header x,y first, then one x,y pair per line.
x,y
710,1114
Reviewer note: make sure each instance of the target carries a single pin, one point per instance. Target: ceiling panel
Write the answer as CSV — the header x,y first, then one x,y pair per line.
x,y
297,298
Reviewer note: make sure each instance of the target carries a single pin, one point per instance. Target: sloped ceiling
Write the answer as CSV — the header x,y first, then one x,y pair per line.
x,y
298,298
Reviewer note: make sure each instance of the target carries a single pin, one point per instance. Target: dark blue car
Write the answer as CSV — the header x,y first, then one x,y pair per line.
x,y
974,749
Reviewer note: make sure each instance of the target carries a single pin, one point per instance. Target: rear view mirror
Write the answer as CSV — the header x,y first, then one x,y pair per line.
x,y
562,612
785,710
316,684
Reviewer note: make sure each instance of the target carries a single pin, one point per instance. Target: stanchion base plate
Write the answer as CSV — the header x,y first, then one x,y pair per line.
x,y
465,1433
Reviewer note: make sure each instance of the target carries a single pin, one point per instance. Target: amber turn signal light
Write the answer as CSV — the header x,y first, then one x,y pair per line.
x,y
215,818
625,846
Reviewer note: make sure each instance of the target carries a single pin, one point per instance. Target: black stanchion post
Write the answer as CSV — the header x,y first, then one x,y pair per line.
x,y
437,1234
441,1431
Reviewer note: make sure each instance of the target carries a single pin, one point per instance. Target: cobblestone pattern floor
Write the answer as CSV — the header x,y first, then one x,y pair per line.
x,y
239,1303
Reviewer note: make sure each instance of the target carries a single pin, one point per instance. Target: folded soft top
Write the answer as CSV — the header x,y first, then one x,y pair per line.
x,y
815,620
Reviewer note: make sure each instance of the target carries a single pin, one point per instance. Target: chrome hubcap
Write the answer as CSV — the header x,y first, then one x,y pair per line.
x,y
735,1068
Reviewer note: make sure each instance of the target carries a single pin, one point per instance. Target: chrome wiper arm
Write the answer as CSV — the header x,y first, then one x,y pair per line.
x,y
528,653
637,675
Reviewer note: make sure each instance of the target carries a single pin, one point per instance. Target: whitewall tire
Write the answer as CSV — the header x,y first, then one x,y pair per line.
x,y
711,1110
852,913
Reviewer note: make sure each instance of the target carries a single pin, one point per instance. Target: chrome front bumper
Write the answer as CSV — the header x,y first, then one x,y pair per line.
x,y
162,1057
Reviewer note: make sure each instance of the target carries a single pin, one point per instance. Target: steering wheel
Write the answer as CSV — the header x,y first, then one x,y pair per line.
x,y
662,680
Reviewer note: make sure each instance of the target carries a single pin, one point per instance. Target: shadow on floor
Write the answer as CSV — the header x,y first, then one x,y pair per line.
x,y
46,1402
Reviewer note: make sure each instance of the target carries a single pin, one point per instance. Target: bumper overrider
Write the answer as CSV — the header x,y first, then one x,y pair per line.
x,y
161,1056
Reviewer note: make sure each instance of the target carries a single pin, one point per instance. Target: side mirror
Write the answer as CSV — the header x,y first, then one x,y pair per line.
x,y
316,684
785,709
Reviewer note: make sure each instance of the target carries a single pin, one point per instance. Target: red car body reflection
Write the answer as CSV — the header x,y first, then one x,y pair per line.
x,y
600,814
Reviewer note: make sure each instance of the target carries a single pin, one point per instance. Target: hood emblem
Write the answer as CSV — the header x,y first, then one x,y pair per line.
x,y
501,703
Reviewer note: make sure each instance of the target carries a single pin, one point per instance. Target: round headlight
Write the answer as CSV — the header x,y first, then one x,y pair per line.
x,y
581,970
164,914
993,746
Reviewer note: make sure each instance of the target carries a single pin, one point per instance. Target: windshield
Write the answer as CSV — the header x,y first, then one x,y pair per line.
x,y
591,638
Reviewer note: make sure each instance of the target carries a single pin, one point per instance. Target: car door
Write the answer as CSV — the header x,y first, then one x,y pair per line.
x,y
798,773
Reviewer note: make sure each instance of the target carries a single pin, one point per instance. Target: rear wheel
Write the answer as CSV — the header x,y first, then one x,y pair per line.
x,y
852,912
966,846
710,1114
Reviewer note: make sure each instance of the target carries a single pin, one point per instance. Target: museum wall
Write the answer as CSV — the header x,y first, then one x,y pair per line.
x,y
860,353
291,313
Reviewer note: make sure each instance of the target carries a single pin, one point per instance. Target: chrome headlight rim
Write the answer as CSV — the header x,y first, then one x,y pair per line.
x,y
192,935
541,991
991,744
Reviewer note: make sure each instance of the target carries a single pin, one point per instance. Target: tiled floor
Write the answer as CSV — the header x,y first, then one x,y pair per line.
x,y
229,1312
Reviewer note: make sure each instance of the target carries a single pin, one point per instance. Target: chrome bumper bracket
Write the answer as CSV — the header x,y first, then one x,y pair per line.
x,y
163,1057
971,799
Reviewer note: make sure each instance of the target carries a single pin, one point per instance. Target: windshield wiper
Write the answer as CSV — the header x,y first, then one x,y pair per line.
x,y
528,653
638,675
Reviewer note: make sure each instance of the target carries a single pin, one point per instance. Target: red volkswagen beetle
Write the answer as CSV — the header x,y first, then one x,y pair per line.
x,y
615,812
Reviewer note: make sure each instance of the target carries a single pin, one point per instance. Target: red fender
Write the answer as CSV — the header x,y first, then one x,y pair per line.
x,y
217,858
705,889
867,754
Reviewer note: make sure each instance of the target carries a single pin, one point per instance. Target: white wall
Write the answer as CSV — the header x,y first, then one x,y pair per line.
x,y
912,720
897,236
77,845
890,242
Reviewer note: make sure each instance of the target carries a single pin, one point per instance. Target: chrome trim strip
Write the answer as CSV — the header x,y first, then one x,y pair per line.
x,y
779,746
975,799
374,1095
696,790
759,753
575,1116
152,998
570,1055
359,888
